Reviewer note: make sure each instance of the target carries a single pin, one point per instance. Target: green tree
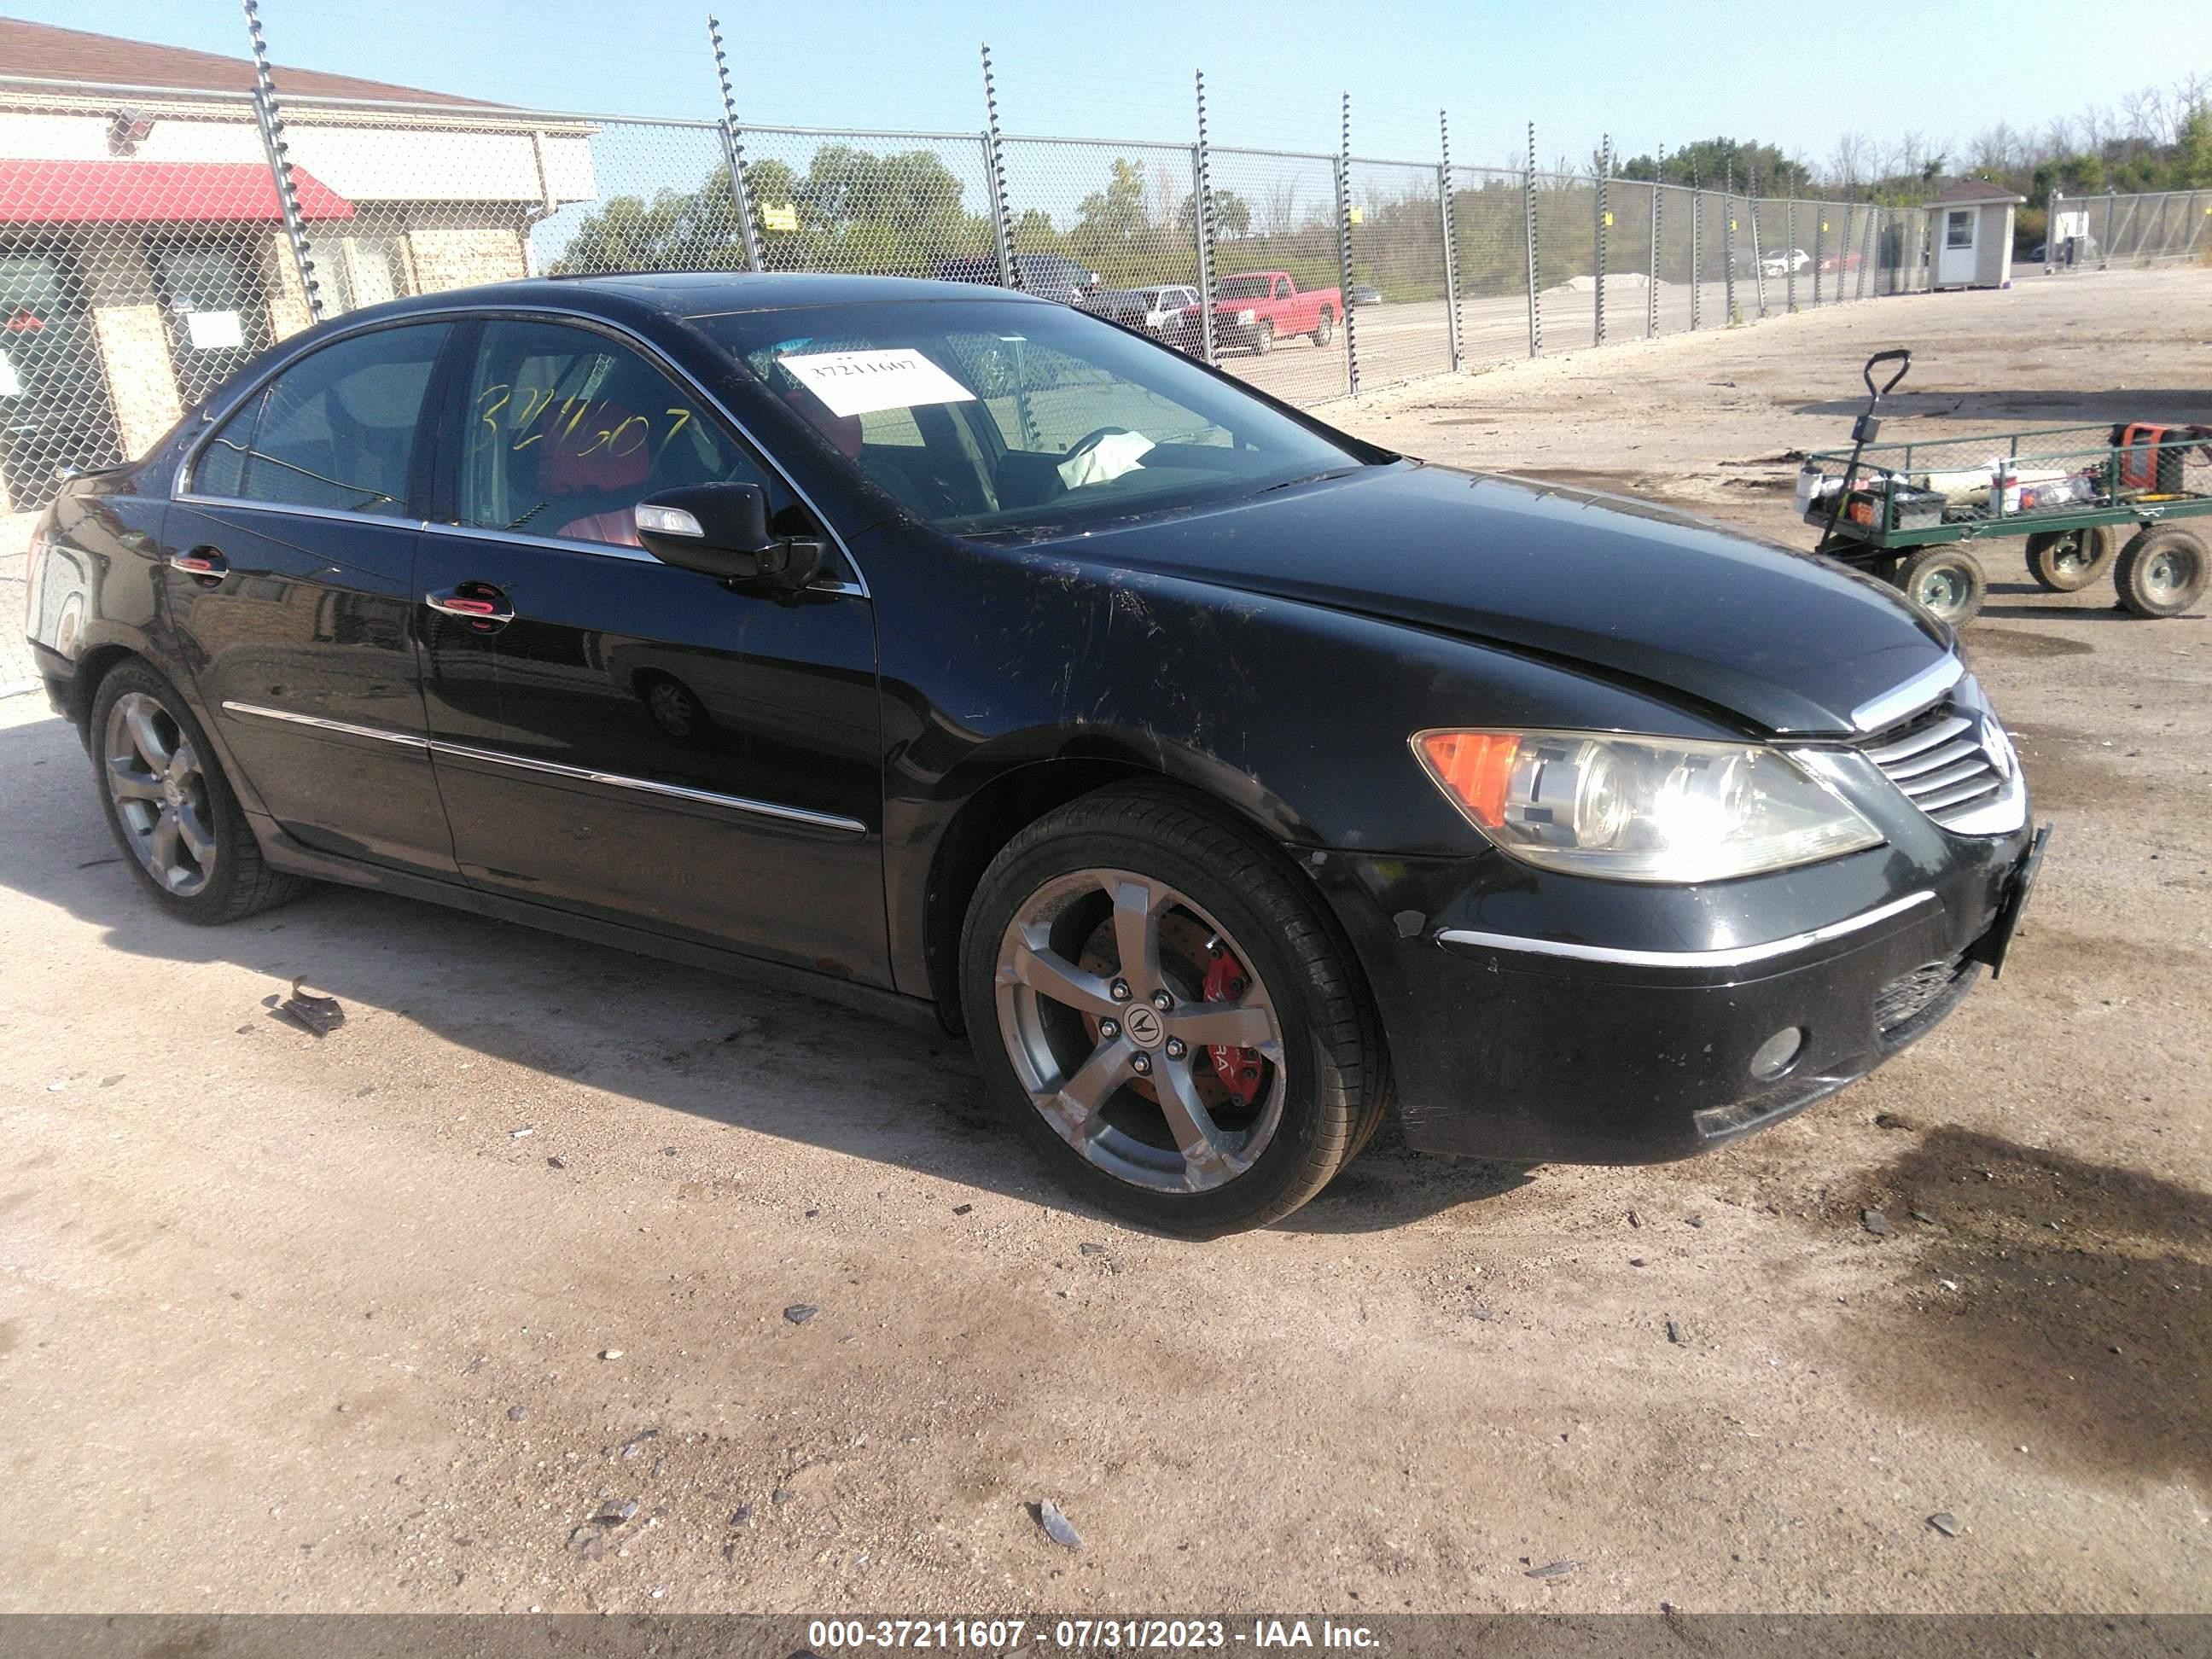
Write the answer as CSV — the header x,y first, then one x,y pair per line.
x,y
672,232
2191,166
1232,218
899,214
1710,160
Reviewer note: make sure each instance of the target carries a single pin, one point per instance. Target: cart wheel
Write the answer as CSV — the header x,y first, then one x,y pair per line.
x,y
1947,582
2161,572
2067,561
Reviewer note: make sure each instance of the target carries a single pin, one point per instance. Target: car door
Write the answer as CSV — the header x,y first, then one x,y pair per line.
x,y
619,738
288,550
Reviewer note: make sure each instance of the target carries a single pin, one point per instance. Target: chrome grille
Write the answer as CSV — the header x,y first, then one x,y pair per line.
x,y
1938,758
1908,996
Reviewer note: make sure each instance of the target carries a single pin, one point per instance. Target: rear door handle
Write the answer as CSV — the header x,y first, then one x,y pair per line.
x,y
203,562
482,606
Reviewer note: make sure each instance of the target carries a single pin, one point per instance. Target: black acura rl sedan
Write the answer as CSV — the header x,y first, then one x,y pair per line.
x,y
1225,778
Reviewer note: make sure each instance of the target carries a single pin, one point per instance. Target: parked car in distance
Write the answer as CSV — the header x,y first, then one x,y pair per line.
x,y
1053,276
1158,311
1363,294
1842,261
960,655
1254,309
2071,251
1783,262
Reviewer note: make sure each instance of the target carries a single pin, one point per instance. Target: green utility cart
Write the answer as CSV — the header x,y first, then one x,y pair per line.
x,y
1910,512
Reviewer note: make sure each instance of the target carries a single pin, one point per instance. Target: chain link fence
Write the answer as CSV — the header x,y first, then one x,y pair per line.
x,y
2161,227
1490,261
1277,216
154,238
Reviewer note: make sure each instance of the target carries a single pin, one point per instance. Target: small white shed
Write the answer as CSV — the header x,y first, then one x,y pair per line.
x,y
1970,227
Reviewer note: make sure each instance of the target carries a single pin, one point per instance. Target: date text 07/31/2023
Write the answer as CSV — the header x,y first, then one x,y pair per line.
x,y
1077,1635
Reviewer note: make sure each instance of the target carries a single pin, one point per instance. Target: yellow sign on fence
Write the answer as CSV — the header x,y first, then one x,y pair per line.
x,y
785,217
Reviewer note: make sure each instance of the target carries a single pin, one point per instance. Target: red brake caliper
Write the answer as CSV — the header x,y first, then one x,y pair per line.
x,y
1237,1068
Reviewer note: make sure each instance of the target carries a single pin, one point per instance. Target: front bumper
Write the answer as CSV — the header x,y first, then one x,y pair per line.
x,y
1638,1045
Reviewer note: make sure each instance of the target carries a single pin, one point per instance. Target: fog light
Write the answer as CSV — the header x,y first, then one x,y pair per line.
x,y
1777,1054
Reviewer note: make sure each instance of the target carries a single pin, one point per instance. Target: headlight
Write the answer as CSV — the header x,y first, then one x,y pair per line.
x,y
1642,808
1246,318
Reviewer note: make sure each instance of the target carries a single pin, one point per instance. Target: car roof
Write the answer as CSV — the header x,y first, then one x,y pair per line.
x,y
703,293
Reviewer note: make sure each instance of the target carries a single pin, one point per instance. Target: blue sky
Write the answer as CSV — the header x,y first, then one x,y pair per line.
x,y
1649,73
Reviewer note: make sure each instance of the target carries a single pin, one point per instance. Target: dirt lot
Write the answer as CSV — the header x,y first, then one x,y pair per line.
x,y
297,1324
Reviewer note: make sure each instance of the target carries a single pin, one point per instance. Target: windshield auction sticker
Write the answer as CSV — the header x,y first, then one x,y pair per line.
x,y
863,382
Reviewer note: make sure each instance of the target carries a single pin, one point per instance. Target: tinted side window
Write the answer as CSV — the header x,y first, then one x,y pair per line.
x,y
570,429
336,430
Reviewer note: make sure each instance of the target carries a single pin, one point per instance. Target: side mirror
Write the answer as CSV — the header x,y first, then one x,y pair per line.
x,y
720,530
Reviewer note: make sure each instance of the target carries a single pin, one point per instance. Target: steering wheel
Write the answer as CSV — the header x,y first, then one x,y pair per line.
x,y
1090,440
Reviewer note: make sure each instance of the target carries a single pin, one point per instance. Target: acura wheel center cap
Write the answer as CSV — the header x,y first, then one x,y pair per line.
x,y
1146,1028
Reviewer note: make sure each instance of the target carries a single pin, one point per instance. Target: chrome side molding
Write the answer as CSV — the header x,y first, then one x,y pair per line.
x,y
764,809
1734,956
830,822
345,728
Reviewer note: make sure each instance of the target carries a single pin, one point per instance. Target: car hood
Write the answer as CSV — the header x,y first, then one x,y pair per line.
x,y
1780,639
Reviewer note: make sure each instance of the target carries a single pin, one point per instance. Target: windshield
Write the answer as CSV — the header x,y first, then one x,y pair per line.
x,y
1247,287
986,416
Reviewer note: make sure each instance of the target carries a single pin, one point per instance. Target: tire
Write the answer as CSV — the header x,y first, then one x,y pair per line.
x,y
1946,582
1263,338
1325,329
2160,572
178,824
2067,561
1044,926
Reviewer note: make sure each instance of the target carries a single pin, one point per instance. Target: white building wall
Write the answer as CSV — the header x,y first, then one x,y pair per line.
x,y
388,163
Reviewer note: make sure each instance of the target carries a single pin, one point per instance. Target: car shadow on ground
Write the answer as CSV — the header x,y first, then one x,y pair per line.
x,y
2037,1301
723,1049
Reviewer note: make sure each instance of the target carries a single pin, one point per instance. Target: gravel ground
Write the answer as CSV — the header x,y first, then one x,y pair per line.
x,y
379,1320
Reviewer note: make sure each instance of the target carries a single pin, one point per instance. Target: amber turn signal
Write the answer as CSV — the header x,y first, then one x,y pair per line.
x,y
1476,767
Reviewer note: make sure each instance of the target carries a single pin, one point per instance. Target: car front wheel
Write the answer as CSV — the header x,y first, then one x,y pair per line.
x,y
170,807
1165,1017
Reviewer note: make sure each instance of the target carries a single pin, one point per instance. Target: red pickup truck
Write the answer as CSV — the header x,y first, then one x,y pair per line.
x,y
1254,309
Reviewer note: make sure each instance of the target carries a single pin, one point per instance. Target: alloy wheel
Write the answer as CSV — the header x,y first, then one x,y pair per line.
x,y
1140,1031
160,791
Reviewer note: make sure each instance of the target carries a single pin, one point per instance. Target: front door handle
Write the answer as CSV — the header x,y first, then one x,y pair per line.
x,y
205,563
481,605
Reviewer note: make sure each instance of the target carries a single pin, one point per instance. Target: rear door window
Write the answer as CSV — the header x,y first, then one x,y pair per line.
x,y
337,431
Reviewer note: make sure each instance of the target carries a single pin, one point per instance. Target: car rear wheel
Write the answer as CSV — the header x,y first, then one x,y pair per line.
x,y
2160,572
1263,339
170,807
1325,329
2067,561
1947,582
1165,1017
